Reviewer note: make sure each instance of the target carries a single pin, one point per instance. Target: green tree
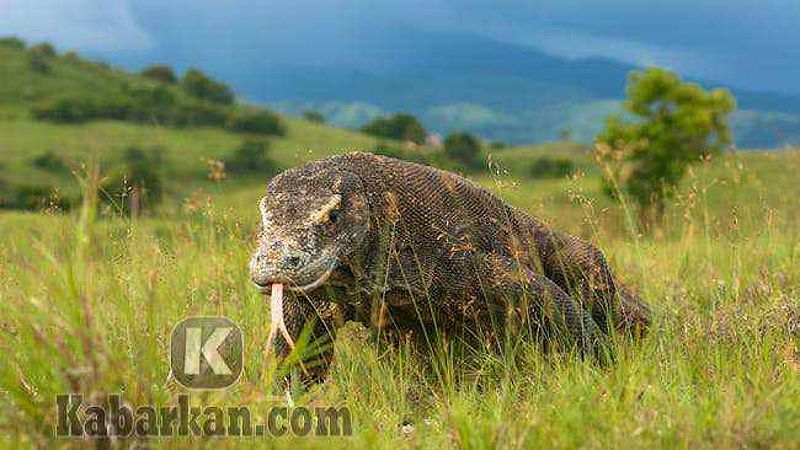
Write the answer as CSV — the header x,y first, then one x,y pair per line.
x,y
551,167
12,42
50,162
67,109
313,116
402,127
252,156
138,186
259,121
673,124
198,84
160,73
44,49
39,63
40,56
144,171
465,149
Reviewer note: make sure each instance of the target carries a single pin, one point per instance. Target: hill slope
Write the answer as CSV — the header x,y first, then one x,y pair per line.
x,y
37,156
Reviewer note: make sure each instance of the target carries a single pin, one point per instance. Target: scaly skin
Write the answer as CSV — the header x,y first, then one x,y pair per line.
x,y
408,248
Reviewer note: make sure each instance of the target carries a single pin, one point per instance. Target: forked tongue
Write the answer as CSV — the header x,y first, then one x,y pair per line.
x,y
277,323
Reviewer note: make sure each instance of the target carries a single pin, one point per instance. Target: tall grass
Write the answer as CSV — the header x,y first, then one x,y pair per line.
x,y
88,305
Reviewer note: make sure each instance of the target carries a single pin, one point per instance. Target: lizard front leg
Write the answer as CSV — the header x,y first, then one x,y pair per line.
x,y
320,319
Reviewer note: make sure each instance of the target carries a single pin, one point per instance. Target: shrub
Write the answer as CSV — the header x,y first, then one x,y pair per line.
x,y
5,191
45,49
66,109
38,63
13,43
464,149
39,57
313,116
30,196
159,96
196,114
147,103
251,157
144,102
403,127
259,121
73,57
81,108
137,103
547,167
160,73
199,85
138,186
50,162
113,107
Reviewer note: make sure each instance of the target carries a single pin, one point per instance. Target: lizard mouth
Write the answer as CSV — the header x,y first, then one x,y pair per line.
x,y
314,284
295,286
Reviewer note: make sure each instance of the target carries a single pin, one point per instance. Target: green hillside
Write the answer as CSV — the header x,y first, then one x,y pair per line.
x,y
39,155
23,85
35,76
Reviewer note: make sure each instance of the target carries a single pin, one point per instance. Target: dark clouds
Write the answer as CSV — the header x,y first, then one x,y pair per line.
x,y
750,43
94,25
754,44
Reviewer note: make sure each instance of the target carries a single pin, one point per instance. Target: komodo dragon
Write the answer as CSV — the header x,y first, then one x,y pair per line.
x,y
406,247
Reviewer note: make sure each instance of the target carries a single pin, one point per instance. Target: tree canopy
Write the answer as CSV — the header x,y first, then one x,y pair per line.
x,y
198,84
670,124
465,149
403,127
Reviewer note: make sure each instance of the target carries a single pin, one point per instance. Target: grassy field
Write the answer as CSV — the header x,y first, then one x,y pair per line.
x,y
90,299
89,304
184,151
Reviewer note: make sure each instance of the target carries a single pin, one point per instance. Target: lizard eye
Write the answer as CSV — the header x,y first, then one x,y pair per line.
x,y
333,216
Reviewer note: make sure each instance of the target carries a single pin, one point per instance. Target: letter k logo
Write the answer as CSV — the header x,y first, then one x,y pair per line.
x,y
206,352
191,363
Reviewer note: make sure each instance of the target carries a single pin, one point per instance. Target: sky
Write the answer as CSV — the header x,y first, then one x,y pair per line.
x,y
745,43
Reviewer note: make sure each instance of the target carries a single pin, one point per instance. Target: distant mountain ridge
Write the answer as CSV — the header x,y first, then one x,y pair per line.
x,y
452,81
502,91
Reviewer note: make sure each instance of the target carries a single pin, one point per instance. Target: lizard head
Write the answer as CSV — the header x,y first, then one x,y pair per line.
x,y
311,218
